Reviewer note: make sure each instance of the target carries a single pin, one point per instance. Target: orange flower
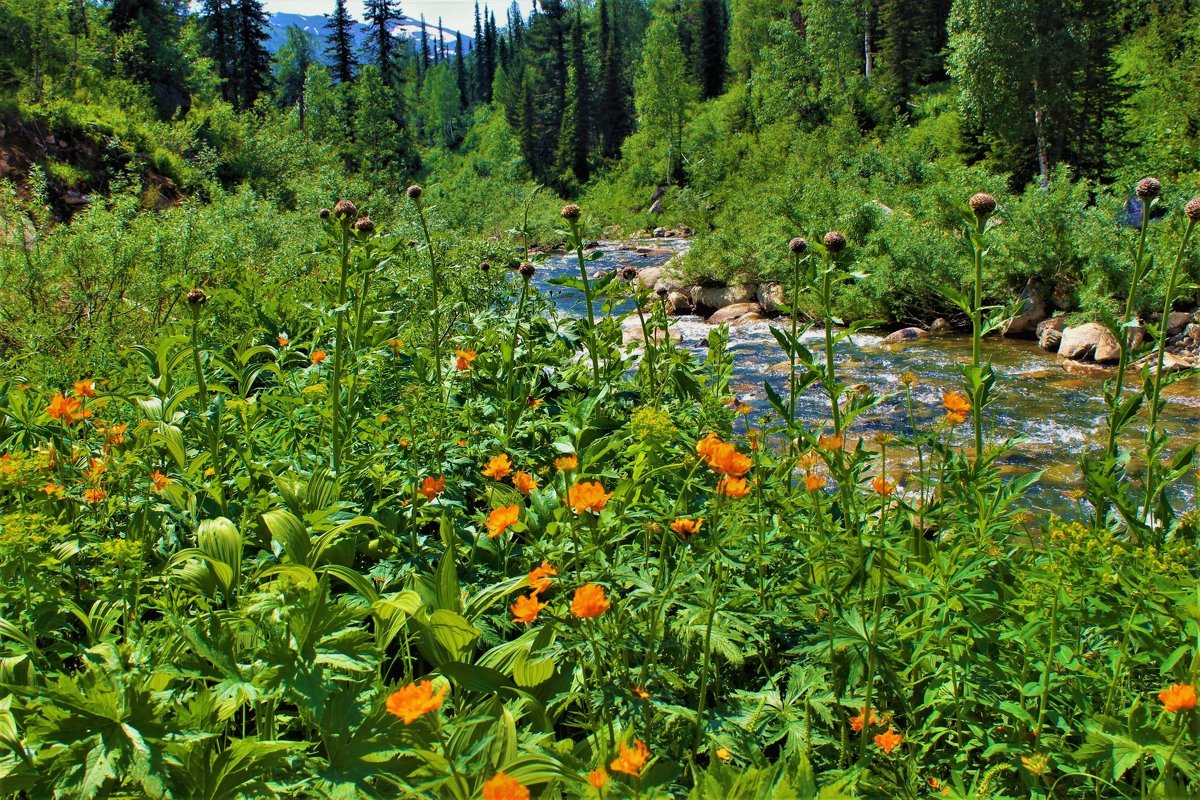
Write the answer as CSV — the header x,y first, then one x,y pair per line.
x,y
533,402
807,461
283,339
499,467
856,724
51,488
705,446
318,356
955,403
411,702
735,488
587,496
566,463
526,608
463,358
685,526
830,442
67,410
431,487
814,482
85,388
589,601
883,486
95,495
888,740
725,459
641,693
501,519
1178,697
524,482
114,435
632,760
396,345
541,578
598,778
502,787
96,468
723,754
158,481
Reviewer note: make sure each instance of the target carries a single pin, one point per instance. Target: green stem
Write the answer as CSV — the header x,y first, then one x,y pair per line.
x,y
339,347
587,295
434,280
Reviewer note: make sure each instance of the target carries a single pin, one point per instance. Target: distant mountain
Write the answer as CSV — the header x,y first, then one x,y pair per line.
x,y
407,28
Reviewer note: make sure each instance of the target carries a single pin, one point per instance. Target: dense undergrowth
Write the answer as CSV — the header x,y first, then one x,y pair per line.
x,y
393,528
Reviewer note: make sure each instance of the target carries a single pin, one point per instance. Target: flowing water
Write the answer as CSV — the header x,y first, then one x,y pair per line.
x,y
1056,414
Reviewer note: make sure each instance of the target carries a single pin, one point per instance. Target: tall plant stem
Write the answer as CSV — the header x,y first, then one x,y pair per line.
x,y
587,296
1152,465
1110,449
830,373
977,335
339,346
793,446
434,281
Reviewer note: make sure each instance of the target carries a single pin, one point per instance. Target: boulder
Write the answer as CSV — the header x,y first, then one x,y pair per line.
x,y
940,326
656,207
1093,341
1177,321
1172,362
647,277
905,335
732,312
748,319
771,296
1049,333
679,303
1085,368
1032,310
631,333
717,297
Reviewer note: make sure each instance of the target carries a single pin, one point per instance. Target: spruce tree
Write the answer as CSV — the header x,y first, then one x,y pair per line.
x,y
254,61
340,49
460,70
220,43
613,119
381,15
423,64
479,73
576,131
713,47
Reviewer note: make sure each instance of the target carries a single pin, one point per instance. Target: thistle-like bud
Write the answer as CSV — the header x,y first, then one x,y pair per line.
x,y
1148,189
983,204
797,245
413,192
345,210
197,297
364,225
1192,209
835,242
324,213
527,270
661,291
628,273
571,212
484,266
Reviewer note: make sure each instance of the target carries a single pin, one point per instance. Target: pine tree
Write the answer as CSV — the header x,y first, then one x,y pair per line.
x,y
480,63
576,131
663,92
460,70
613,119
548,94
291,71
423,64
340,49
713,47
381,15
254,61
221,43
491,44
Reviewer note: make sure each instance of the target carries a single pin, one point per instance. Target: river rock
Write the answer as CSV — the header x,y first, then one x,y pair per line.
x,y
717,297
748,319
1172,362
679,303
647,277
1177,321
1093,341
731,312
771,297
1049,333
940,326
631,333
905,335
1085,368
1033,310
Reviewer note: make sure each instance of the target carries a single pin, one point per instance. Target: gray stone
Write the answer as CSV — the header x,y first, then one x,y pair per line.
x,y
717,297
730,313
679,303
771,296
1177,321
1093,341
1049,333
905,335
1032,310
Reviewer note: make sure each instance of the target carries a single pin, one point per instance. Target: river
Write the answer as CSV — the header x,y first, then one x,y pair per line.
x,y
1057,415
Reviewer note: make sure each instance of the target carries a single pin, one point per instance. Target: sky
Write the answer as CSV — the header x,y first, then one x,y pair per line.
x,y
456,14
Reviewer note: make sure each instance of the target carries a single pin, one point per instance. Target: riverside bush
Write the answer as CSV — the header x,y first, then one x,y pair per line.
x,y
424,541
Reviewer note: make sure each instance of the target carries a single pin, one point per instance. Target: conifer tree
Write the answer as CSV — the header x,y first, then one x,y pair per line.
x,y
576,131
381,15
423,64
253,61
340,39
613,120
460,70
